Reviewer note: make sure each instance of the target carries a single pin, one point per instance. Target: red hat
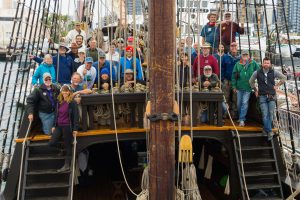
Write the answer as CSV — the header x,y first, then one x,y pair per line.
x,y
130,39
129,48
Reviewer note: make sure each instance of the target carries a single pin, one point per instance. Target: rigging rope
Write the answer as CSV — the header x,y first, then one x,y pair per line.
x,y
291,55
15,88
285,90
8,79
247,22
73,166
24,145
240,150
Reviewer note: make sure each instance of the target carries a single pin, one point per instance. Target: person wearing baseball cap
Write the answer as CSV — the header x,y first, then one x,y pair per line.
x,y
228,62
127,62
241,75
209,81
138,52
101,64
229,30
210,32
43,99
80,60
88,73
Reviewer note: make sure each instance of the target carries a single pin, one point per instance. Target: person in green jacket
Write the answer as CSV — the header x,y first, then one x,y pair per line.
x,y
241,75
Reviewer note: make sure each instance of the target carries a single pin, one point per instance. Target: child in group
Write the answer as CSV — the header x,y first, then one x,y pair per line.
x,y
44,67
104,80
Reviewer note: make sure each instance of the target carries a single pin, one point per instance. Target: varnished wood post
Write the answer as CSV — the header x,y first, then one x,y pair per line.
x,y
162,135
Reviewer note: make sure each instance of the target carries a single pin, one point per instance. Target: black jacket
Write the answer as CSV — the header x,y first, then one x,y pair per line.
x,y
213,79
40,98
73,115
266,87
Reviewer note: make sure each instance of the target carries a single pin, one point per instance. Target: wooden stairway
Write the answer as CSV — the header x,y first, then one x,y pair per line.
x,y
41,180
260,167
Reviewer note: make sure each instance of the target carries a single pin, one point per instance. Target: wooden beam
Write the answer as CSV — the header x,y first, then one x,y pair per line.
x,y
162,29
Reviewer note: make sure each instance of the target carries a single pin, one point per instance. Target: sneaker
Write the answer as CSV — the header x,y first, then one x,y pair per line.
x,y
242,123
270,136
264,133
66,167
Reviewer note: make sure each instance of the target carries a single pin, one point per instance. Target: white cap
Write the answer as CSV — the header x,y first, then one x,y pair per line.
x,y
81,50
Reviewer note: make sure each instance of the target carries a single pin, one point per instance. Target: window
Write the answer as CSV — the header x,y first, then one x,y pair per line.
x,y
204,4
8,34
181,3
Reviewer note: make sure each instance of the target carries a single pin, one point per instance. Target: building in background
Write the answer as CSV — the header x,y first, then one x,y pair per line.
x,y
294,15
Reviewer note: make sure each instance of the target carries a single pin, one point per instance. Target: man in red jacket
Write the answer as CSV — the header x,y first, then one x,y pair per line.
x,y
229,30
205,59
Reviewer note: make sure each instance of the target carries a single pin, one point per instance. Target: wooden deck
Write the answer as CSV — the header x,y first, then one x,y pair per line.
x,y
251,127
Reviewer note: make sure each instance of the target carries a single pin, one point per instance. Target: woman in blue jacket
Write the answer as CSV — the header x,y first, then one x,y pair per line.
x,y
45,67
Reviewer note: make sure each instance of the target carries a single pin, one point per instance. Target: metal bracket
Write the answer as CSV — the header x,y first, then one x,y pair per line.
x,y
163,116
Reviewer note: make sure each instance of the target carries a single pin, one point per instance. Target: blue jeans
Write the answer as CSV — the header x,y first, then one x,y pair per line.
x,y
242,103
267,109
204,116
47,121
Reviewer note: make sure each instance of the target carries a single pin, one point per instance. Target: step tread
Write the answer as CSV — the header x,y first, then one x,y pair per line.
x,y
47,157
37,144
251,135
45,172
49,198
262,186
251,148
266,198
260,173
257,160
46,185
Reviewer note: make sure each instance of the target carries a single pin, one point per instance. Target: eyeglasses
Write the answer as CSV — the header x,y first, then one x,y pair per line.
x,y
47,79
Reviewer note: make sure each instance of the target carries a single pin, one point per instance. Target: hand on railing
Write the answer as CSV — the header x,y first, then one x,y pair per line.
x,y
30,117
75,133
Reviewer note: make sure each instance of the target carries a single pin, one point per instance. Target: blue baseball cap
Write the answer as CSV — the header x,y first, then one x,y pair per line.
x,y
89,59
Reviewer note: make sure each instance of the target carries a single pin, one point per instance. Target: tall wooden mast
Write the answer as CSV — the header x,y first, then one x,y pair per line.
x,y
162,134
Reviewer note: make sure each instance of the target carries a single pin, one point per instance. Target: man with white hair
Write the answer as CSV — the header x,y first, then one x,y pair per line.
x,y
209,81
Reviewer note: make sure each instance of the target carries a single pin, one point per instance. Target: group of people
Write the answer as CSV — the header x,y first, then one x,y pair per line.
x,y
218,64
80,65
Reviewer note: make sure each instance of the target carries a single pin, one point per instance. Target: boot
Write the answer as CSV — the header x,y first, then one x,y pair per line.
x,y
66,167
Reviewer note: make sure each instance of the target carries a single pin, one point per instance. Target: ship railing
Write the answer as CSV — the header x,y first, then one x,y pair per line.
x,y
284,126
136,101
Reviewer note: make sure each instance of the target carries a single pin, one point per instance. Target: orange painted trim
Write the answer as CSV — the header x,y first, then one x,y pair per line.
x,y
142,130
